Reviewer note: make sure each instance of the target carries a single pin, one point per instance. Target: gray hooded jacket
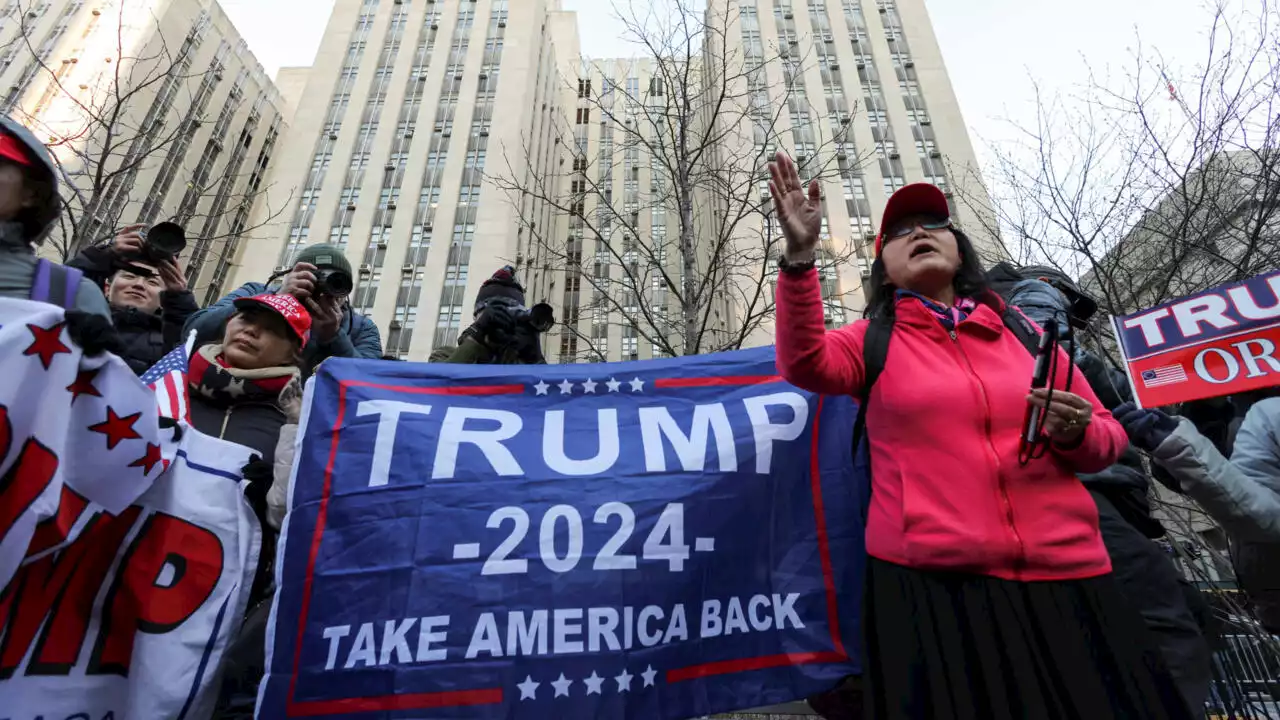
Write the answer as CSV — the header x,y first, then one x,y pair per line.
x,y
1243,493
19,238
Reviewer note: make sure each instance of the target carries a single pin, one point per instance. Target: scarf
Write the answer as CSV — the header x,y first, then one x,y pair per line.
x,y
950,317
209,376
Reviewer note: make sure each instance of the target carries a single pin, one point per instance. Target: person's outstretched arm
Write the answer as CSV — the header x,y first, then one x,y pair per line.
x,y
1246,508
809,357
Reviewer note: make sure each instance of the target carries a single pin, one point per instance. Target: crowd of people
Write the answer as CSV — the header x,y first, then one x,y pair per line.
x,y
1008,576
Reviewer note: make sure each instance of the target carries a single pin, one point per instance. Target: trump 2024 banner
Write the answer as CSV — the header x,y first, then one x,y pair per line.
x,y
1218,342
662,539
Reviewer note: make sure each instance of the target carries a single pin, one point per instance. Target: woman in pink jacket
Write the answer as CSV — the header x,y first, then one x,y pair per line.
x,y
988,589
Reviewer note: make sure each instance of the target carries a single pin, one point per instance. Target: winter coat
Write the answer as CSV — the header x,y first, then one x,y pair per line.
x,y
357,335
256,425
943,424
1243,493
1125,483
148,337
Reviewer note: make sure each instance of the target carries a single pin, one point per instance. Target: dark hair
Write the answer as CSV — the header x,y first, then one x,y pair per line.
x,y
970,280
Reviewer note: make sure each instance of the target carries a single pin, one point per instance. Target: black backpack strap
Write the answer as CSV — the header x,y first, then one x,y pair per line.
x,y
1022,329
875,350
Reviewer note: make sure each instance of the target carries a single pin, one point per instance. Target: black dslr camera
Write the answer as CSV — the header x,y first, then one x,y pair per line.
x,y
162,243
333,282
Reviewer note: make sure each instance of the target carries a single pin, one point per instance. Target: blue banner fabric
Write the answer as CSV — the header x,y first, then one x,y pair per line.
x,y
660,539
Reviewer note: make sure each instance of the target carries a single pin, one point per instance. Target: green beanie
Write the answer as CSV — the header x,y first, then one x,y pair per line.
x,y
324,257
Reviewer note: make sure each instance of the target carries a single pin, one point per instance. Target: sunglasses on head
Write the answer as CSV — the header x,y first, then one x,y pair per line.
x,y
905,230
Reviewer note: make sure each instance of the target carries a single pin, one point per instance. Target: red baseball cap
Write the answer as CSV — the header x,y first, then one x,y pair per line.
x,y
11,148
287,307
913,199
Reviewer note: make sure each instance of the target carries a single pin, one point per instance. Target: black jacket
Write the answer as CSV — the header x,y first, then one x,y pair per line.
x,y
147,337
256,425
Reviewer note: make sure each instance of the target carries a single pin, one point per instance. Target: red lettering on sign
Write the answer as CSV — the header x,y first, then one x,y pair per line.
x,y
167,574
60,588
54,531
27,478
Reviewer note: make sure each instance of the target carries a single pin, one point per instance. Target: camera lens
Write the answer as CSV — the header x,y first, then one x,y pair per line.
x,y
335,282
167,239
542,317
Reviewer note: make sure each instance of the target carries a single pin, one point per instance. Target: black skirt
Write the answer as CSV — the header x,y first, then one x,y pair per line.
x,y
960,646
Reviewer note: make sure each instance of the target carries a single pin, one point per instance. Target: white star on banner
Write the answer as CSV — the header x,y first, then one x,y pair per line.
x,y
566,388
589,385
562,686
613,385
528,688
541,387
624,680
637,385
649,674
593,683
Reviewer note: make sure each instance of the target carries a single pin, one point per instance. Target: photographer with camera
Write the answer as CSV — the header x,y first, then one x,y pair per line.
x,y
505,332
321,280
146,288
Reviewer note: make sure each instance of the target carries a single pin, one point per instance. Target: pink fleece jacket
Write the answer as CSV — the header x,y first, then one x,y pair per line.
x,y
943,425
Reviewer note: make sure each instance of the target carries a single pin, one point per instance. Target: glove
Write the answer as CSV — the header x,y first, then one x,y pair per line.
x,y
1146,428
259,474
93,334
494,328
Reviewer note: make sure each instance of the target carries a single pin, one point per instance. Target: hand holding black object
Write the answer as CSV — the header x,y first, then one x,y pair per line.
x,y
93,334
495,328
1147,429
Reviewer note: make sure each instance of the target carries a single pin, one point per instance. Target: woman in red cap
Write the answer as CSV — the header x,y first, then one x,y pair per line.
x,y
988,590
246,390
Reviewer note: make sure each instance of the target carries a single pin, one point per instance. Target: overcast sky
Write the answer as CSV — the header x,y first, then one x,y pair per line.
x,y
991,47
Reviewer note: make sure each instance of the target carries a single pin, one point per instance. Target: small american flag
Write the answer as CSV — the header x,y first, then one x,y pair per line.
x,y
169,379
1167,375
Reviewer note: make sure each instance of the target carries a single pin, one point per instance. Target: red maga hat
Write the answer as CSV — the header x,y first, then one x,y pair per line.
x,y
287,307
914,199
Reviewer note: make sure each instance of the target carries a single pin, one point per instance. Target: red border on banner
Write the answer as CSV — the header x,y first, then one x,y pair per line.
x,y
492,696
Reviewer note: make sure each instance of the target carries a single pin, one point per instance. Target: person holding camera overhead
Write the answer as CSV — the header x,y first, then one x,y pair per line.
x,y
988,591
504,331
146,288
321,280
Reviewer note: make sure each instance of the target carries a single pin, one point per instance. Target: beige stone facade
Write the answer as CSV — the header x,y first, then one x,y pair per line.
x,y
412,108
409,106
155,109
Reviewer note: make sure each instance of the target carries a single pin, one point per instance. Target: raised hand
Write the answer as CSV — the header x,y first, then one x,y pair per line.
x,y
799,213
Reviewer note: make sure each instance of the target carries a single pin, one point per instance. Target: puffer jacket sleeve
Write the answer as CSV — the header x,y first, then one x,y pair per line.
x,y
208,322
1247,508
278,495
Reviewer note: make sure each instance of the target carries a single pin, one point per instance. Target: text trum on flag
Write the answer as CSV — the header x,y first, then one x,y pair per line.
x,y
665,539
1217,342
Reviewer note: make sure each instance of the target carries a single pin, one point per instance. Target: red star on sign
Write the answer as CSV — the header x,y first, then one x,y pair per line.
x,y
47,342
116,428
148,461
84,385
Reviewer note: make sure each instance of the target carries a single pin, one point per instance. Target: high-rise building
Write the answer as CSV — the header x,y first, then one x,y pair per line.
x,y
864,101
154,109
432,134
409,107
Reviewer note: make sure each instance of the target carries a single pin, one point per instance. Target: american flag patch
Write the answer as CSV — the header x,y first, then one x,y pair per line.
x,y
1167,375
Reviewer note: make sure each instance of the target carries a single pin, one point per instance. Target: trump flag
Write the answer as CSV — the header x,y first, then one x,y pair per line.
x,y
1217,342
660,539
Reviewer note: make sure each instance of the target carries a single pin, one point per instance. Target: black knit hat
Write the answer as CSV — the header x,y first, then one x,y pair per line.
x,y
502,285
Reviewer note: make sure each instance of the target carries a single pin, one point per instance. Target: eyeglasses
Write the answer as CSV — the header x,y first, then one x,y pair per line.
x,y
906,230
